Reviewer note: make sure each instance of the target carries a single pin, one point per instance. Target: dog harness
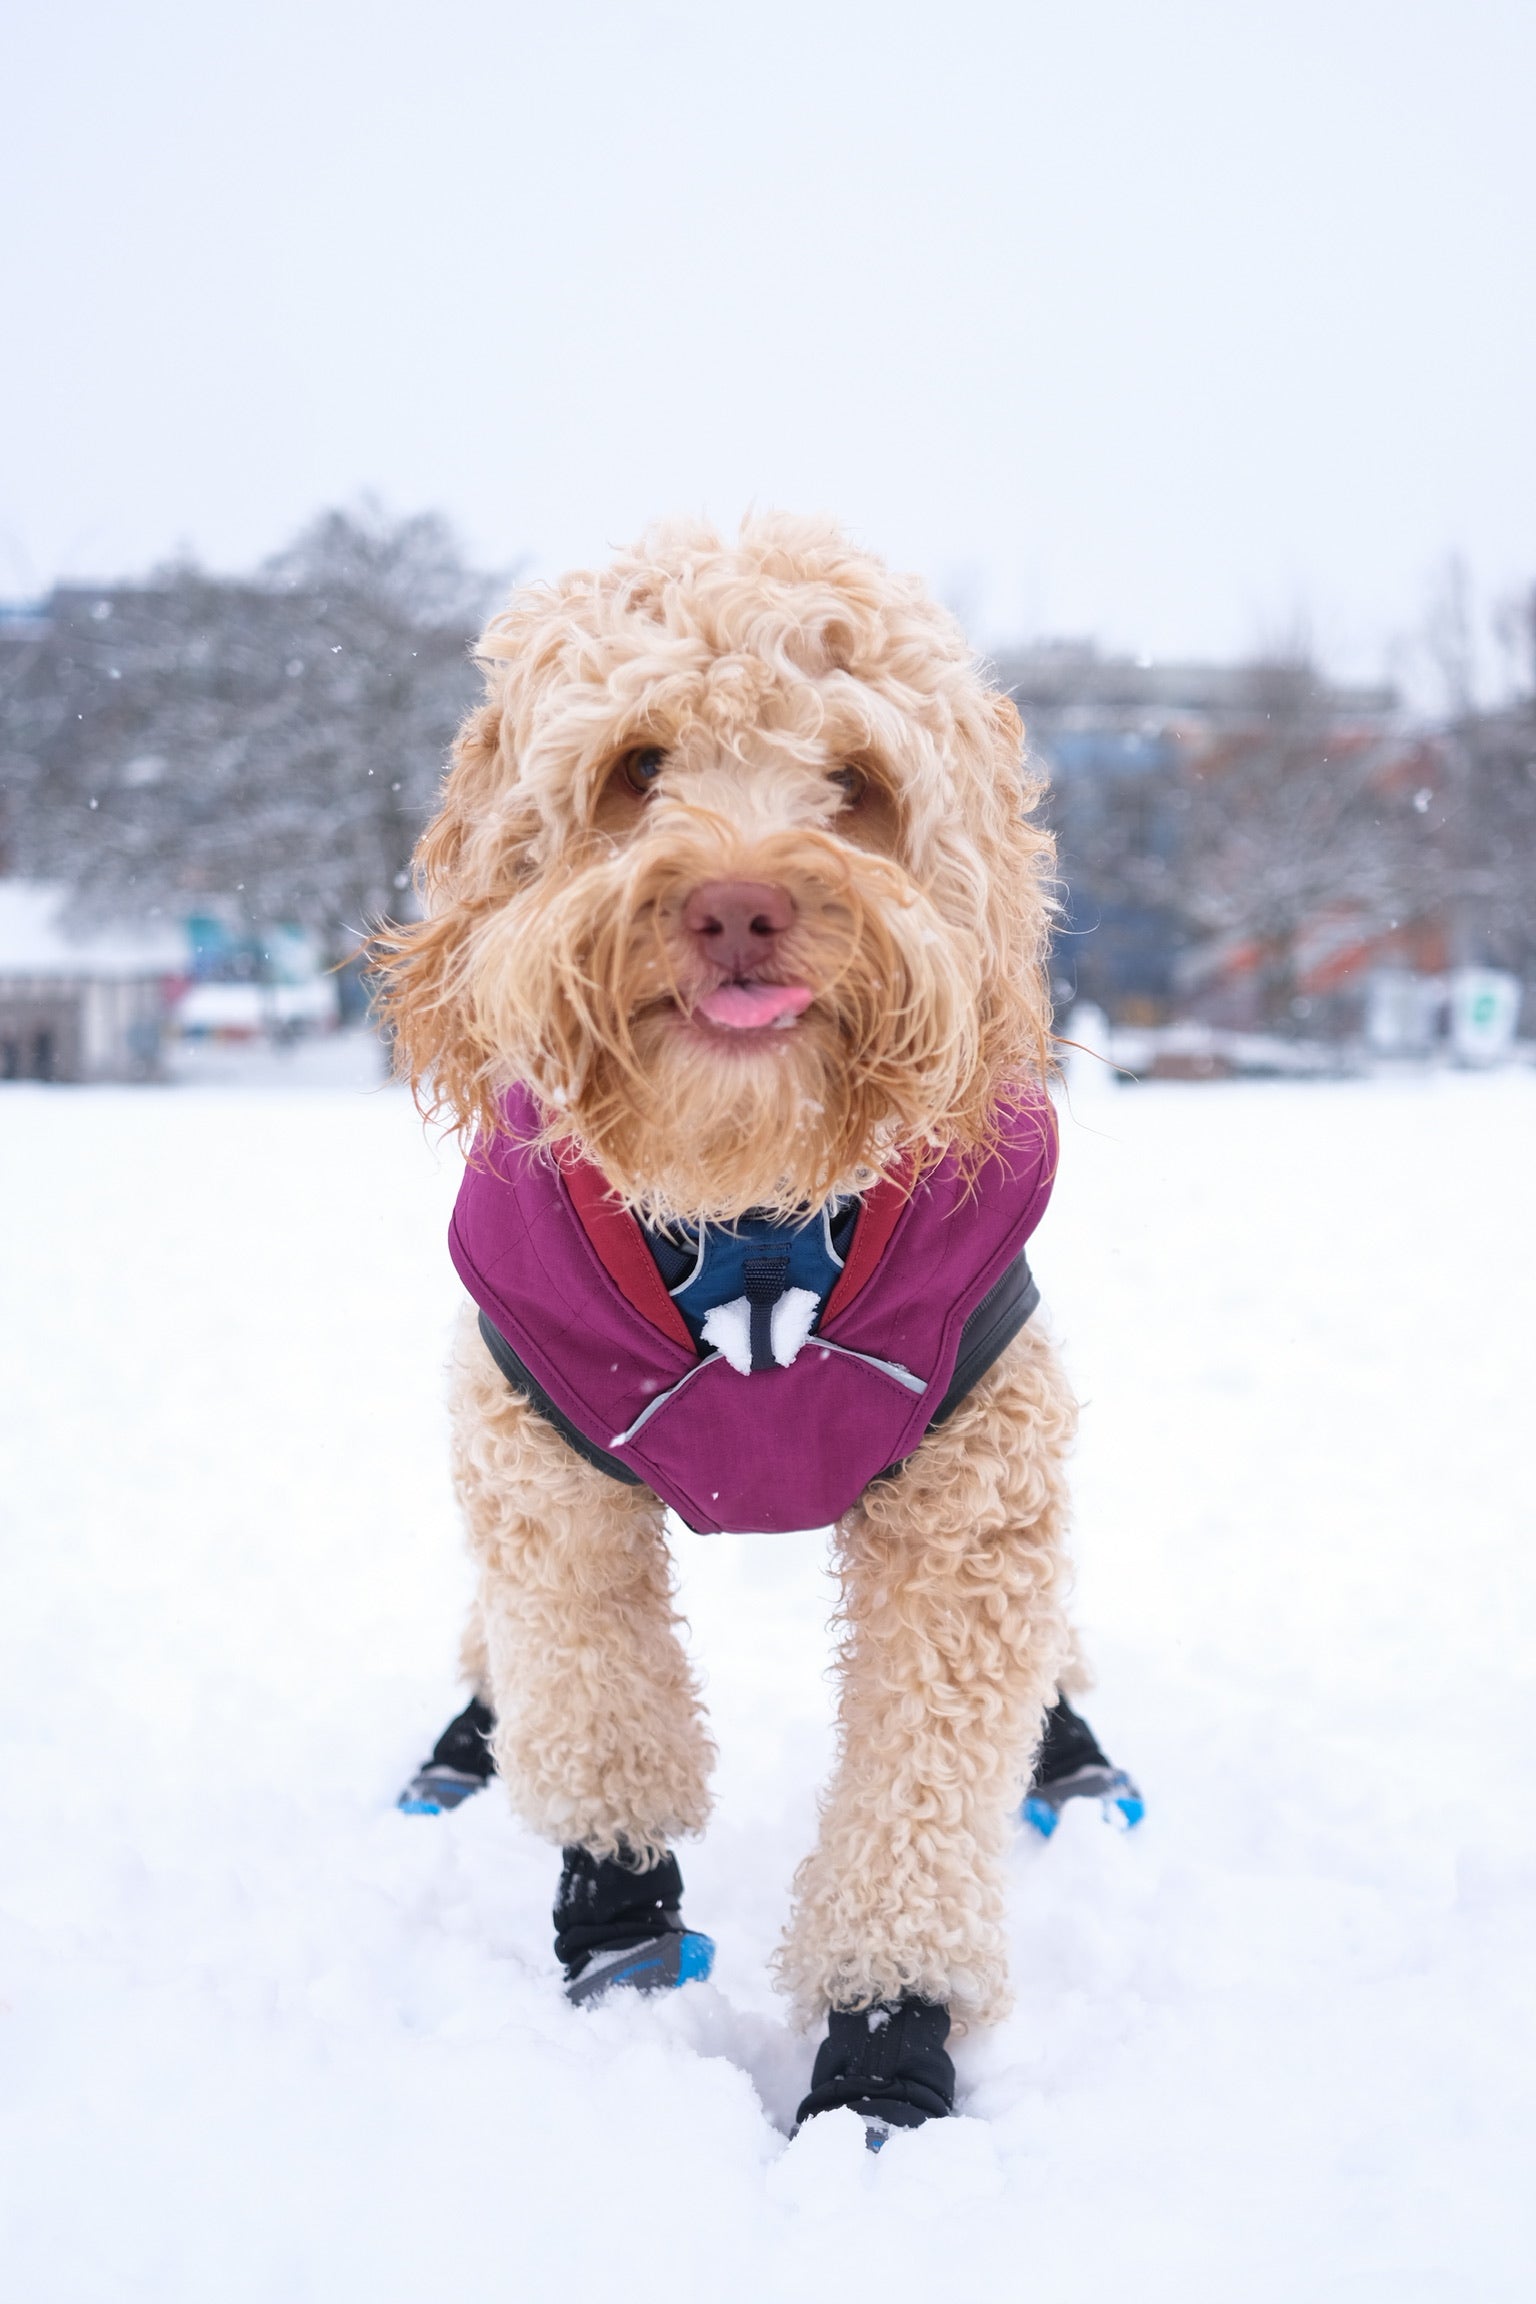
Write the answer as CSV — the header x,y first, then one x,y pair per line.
x,y
760,1375
753,1289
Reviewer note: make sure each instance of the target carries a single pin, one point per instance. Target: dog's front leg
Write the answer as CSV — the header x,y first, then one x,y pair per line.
x,y
599,1736
954,1633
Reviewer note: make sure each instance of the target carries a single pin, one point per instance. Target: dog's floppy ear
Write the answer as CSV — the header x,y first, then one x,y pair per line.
x,y
469,861
1012,893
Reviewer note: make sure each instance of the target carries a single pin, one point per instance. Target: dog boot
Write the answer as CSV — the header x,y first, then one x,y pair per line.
x,y
461,1762
888,2063
617,1926
1072,1766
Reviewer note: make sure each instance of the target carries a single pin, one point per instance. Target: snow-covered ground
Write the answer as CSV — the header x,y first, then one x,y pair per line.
x,y
265,2041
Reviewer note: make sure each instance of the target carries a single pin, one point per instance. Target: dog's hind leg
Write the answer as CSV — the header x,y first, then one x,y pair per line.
x,y
954,1637
599,1736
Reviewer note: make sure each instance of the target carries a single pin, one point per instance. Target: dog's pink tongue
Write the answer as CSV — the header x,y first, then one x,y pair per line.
x,y
741,1006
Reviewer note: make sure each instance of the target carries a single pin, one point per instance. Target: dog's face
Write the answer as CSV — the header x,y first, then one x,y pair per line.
x,y
735,869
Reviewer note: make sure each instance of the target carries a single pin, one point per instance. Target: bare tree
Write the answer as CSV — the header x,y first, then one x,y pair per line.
x,y
1225,820
1293,815
1514,629
1449,636
1478,867
277,740
1485,852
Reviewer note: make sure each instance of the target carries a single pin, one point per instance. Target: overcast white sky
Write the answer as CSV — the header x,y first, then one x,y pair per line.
x,y
1170,320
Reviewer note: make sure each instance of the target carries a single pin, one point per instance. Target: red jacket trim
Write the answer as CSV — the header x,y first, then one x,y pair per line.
x,y
619,1245
879,1214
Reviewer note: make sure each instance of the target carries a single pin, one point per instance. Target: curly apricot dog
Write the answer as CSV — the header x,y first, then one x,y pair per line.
x,y
732,963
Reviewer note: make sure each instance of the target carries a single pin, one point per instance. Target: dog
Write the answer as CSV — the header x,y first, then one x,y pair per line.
x,y
732,969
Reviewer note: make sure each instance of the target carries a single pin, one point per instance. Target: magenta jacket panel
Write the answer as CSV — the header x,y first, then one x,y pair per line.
x,y
780,1448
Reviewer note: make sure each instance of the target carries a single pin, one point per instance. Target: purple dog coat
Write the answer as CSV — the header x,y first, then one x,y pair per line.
x,y
561,1269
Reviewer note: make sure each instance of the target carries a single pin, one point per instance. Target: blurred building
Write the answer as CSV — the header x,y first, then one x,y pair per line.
x,y
105,1003
81,1006
1135,752
254,984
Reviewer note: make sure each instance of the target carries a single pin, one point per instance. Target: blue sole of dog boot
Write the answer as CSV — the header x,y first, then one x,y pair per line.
x,y
435,1791
660,1964
1120,1802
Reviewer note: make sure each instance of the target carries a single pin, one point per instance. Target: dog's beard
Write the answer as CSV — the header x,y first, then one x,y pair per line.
x,y
719,1129
585,988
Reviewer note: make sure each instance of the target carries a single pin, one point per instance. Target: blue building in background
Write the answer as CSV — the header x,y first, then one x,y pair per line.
x,y
1116,794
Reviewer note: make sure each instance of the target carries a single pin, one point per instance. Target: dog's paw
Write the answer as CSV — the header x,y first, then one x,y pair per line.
x,y
888,2063
1118,1797
435,1790
461,1762
660,1964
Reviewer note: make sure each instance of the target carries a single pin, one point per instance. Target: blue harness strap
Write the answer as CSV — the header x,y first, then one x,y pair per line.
x,y
757,1258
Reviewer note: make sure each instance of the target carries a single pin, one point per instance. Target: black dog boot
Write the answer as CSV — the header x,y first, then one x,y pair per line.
x,y
461,1762
1071,1765
616,1926
888,2063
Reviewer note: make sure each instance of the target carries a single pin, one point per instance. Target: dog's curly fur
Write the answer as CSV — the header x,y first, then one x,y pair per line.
x,y
800,717
551,951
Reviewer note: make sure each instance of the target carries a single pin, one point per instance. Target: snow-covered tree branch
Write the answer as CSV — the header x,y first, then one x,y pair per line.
x,y
277,740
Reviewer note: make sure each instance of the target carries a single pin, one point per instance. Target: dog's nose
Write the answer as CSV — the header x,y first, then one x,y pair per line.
x,y
735,922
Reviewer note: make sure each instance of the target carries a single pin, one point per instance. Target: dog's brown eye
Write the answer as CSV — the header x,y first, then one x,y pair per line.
x,y
849,779
642,767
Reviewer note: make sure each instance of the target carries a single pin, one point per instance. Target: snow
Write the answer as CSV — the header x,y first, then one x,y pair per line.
x,y
267,2041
